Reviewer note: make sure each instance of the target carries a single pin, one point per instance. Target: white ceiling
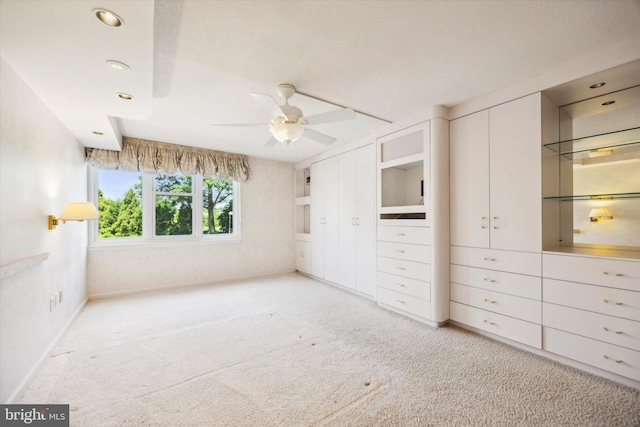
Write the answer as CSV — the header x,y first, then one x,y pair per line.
x,y
194,63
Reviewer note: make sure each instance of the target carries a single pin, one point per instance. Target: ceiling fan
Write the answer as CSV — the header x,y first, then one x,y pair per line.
x,y
288,123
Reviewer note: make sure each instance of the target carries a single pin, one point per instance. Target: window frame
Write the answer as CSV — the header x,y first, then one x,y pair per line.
x,y
149,237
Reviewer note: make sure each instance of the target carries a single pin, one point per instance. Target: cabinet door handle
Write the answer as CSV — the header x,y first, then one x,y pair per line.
x,y
490,301
491,323
489,280
484,222
357,220
495,221
489,259
617,360
400,268
402,285
400,301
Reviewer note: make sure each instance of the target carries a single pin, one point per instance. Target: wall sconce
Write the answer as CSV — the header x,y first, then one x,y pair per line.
x,y
598,214
74,211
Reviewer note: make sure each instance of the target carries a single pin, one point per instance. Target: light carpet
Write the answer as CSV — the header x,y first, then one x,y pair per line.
x,y
289,351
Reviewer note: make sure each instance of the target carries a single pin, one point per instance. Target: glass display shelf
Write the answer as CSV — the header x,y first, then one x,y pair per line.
x,y
609,196
604,144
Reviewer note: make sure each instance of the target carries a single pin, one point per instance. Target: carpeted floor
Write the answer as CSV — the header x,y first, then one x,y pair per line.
x,y
289,351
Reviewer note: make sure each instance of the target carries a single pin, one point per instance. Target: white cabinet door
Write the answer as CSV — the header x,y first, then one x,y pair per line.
x,y
469,180
347,220
357,219
515,192
324,219
365,202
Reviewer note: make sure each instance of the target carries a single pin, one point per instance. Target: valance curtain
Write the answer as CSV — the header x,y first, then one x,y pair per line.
x,y
152,157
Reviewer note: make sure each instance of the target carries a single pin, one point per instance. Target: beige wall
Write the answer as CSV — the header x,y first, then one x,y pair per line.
x,y
41,168
266,245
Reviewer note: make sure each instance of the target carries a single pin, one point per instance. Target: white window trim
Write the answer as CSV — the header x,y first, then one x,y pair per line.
x,y
148,238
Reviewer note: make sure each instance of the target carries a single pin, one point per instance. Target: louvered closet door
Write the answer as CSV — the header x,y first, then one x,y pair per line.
x,y
469,180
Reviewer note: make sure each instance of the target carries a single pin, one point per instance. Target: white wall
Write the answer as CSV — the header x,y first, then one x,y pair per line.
x,y
266,246
41,168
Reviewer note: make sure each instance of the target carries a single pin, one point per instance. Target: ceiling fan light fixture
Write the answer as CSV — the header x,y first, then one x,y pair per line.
x,y
117,65
286,132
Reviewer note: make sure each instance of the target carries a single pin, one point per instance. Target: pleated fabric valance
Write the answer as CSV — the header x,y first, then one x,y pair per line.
x,y
152,157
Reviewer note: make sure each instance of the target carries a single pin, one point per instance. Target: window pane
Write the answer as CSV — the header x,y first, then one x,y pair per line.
x,y
119,204
217,206
173,215
173,183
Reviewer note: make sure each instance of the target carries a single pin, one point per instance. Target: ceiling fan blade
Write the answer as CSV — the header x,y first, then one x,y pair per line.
x,y
319,136
271,142
269,103
331,116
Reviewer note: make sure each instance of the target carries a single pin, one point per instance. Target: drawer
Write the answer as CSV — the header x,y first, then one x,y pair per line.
x,y
513,262
614,302
399,234
303,257
413,305
416,288
509,305
622,332
609,357
498,281
596,271
419,253
504,326
410,269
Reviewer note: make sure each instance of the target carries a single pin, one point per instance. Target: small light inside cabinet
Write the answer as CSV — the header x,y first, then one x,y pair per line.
x,y
598,214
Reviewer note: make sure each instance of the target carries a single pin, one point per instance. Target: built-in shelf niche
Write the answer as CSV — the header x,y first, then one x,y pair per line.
x,y
303,203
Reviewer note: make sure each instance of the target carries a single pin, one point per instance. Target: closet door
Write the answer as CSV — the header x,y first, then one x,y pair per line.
x,y
347,220
324,219
515,174
469,180
365,208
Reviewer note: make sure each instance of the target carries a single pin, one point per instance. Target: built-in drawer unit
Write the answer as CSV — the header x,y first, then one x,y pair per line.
x,y
498,281
416,288
410,304
599,299
401,234
410,269
613,358
303,258
608,272
509,305
510,261
613,330
498,324
406,251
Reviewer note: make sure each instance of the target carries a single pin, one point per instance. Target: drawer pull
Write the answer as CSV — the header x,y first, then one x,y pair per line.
x,y
400,268
618,274
618,303
402,285
490,301
617,360
489,259
604,328
399,234
493,323
489,280
401,302
400,251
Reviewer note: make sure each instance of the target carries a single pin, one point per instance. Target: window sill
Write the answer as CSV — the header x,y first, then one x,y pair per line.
x,y
172,242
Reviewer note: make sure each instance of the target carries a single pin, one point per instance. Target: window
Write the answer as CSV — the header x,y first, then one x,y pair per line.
x,y
137,207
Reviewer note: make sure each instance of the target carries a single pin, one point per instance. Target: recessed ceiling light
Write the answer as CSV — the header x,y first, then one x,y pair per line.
x,y
108,17
95,132
608,103
125,96
117,65
597,85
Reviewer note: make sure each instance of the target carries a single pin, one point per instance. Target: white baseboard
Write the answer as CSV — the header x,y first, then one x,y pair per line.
x,y
45,355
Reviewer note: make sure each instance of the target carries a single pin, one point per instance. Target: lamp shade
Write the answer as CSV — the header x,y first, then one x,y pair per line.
x,y
286,132
79,211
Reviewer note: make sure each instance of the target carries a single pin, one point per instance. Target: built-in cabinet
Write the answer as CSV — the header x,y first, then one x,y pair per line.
x,y
342,219
413,216
496,218
303,219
